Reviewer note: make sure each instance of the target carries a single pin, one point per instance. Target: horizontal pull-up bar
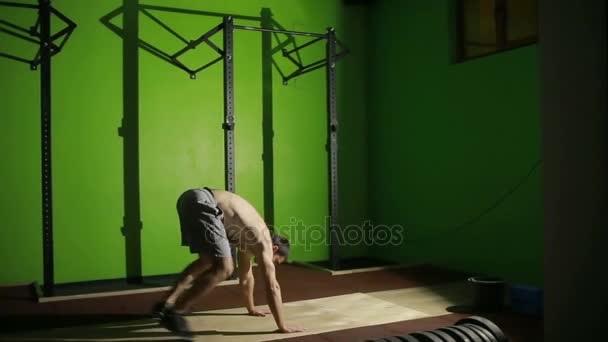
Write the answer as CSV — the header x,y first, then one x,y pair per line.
x,y
296,33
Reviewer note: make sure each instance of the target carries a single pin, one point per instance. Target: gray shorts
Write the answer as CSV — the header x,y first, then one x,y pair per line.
x,y
201,223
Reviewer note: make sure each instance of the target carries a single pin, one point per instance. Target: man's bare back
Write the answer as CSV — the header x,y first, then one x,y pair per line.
x,y
244,226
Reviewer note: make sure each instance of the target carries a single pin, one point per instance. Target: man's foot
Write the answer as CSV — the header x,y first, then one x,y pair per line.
x,y
171,320
158,309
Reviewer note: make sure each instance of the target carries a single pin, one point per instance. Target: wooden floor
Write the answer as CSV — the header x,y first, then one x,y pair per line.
x,y
347,307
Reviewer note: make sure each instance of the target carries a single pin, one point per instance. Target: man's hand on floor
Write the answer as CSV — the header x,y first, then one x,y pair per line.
x,y
259,313
290,329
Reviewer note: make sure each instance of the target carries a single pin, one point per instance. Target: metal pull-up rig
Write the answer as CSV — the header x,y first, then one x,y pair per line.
x,y
40,34
332,56
49,45
226,54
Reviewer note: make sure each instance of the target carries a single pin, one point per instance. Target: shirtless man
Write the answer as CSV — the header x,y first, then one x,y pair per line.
x,y
211,221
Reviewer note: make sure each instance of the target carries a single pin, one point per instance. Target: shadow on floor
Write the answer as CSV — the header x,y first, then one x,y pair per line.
x,y
98,328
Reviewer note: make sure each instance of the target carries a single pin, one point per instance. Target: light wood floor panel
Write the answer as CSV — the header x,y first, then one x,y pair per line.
x,y
316,315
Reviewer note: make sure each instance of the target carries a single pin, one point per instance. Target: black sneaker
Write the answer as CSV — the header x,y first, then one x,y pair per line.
x,y
171,320
158,310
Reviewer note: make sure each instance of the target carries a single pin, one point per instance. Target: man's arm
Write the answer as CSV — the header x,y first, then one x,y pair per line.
x,y
247,282
273,289
273,292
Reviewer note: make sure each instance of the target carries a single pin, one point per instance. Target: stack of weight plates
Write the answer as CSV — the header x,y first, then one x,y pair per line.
x,y
470,329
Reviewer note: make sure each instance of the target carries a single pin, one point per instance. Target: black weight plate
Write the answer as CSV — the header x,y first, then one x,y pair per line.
x,y
409,338
486,324
443,336
393,339
483,331
486,336
456,334
424,336
468,332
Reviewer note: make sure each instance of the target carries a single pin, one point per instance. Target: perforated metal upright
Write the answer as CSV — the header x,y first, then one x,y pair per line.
x,y
229,114
229,104
267,118
332,145
46,44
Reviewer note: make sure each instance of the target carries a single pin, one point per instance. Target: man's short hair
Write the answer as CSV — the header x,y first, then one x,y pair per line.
x,y
282,243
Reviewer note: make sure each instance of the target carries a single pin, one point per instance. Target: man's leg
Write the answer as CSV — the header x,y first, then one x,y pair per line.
x,y
220,270
187,277
165,311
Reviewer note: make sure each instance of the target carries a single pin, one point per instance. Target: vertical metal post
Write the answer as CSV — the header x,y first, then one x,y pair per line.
x,y
45,120
332,131
229,104
229,115
267,118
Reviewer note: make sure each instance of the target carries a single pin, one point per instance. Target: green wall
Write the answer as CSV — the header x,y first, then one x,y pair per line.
x,y
446,150
449,145
181,141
